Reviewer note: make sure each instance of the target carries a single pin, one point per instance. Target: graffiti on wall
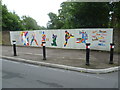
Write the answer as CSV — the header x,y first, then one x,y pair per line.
x,y
83,38
24,38
54,37
99,36
67,37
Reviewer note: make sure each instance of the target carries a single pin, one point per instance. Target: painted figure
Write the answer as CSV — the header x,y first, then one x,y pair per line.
x,y
43,38
84,37
33,39
67,37
54,40
25,38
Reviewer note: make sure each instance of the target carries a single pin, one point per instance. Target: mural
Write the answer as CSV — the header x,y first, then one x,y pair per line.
x,y
100,39
99,36
54,40
84,37
67,37
24,38
33,39
43,38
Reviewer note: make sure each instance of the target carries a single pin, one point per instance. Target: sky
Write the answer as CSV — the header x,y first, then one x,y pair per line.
x,y
37,9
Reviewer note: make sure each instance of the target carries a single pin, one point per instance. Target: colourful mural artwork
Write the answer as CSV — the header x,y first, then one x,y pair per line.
x,y
34,39
47,39
99,36
43,38
101,44
54,40
84,37
24,38
67,37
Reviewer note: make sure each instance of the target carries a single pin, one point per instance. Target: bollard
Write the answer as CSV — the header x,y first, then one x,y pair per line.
x,y
14,48
111,53
44,51
87,53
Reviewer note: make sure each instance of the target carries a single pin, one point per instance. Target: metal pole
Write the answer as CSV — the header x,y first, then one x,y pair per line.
x,y
44,51
87,53
14,48
111,53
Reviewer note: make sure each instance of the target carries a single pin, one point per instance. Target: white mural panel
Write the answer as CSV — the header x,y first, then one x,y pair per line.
x,y
100,39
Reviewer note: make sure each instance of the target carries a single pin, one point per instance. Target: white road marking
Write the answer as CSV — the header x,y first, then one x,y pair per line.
x,y
32,65
38,54
11,61
92,76
31,54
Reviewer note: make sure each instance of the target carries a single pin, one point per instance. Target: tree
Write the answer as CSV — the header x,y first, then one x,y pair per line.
x,y
54,22
10,21
66,15
29,23
115,9
83,15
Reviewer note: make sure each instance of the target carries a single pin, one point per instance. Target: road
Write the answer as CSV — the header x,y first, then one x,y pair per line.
x,y
22,75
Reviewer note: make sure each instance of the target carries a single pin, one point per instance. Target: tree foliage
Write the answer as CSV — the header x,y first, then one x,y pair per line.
x,y
116,15
11,21
85,15
55,22
29,23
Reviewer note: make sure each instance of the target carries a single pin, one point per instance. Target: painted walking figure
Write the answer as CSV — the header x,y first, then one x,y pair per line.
x,y
54,40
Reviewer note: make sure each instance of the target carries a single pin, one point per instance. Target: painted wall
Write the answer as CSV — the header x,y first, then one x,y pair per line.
x,y
100,39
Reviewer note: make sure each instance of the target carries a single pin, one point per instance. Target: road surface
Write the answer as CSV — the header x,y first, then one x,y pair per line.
x,y
22,75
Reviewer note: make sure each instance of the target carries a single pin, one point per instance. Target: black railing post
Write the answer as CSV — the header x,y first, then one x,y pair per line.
x,y
111,53
44,50
87,53
14,48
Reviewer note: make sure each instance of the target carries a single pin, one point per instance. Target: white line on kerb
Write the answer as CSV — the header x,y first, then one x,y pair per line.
x,y
31,54
11,61
32,65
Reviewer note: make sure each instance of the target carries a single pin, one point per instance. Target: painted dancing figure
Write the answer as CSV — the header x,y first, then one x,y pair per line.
x,y
33,39
67,37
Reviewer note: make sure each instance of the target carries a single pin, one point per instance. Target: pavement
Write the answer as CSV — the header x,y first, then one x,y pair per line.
x,y
69,59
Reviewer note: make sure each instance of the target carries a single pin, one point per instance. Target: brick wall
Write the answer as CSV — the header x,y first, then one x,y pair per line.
x,y
6,38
